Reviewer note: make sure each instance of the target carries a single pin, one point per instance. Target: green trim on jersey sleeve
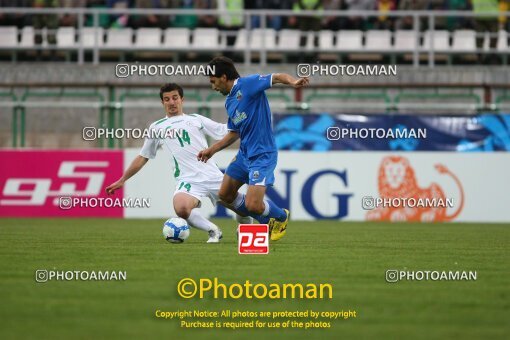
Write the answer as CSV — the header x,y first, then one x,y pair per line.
x,y
160,121
197,116
177,171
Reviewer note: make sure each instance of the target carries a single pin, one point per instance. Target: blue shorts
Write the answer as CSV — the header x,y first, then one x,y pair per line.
x,y
258,170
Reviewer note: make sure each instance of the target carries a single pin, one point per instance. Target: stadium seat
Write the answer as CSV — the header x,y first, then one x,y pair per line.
x,y
177,38
349,40
119,38
378,40
405,40
441,40
241,40
206,39
326,40
289,40
27,37
66,37
148,38
502,45
88,36
8,37
464,41
263,37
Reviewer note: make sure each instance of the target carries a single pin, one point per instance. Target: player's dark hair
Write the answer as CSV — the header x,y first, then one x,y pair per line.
x,y
169,87
223,66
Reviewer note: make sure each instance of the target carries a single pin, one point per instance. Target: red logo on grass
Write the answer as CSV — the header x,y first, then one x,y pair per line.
x,y
253,239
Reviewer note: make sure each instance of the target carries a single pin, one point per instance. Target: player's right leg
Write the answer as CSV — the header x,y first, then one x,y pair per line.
x,y
235,177
268,211
253,204
258,174
261,175
229,188
214,189
186,207
233,200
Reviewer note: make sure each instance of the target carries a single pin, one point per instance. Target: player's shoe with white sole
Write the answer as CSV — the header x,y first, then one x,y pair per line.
x,y
215,235
244,220
279,229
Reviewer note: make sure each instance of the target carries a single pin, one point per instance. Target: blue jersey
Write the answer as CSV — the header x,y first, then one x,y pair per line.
x,y
249,114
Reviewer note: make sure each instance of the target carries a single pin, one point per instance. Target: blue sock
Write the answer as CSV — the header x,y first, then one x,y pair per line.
x,y
274,211
271,210
262,219
241,207
244,211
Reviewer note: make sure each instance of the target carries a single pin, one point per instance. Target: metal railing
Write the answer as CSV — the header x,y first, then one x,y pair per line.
x,y
111,101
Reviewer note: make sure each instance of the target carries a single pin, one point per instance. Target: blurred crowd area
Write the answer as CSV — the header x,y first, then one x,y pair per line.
x,y
321,21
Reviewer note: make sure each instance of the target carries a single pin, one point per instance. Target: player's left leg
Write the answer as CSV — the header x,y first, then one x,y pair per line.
x,y
237,174
264,209
184,204
214,196
261,175
186,207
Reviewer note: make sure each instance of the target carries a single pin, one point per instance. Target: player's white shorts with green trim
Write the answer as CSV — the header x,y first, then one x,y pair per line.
x,y
200,190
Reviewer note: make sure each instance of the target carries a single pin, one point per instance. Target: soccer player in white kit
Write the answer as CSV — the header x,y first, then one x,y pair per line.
x,y
195,180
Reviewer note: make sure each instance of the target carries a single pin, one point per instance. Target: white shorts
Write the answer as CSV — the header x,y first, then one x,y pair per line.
x,y
199,190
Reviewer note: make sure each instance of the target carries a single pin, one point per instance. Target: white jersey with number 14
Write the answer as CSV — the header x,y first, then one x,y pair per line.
x,y
184,142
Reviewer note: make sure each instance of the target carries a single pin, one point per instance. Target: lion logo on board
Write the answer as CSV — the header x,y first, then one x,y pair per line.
x,y
397,179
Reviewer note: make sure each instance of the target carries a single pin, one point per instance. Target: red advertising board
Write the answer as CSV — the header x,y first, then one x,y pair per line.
x,y
35,183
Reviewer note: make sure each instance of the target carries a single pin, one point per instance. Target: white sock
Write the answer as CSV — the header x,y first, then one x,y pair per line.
x,y
241,198
266,208
197,220
238,200
244,220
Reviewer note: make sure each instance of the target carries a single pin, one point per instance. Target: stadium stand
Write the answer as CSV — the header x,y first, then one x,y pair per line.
x,y
97,37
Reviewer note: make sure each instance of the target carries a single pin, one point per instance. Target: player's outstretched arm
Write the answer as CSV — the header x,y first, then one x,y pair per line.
x,y
135,166
229,138
287,79
213,129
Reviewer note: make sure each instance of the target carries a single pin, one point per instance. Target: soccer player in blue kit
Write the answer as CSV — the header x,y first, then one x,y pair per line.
x,y
249,118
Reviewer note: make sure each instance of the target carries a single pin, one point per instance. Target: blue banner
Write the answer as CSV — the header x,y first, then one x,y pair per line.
x,y
323,132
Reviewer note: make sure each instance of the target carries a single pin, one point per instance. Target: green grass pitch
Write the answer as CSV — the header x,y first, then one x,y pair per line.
x,y
353,257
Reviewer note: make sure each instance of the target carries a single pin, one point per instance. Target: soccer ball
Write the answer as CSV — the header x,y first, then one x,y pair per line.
x,y
176,230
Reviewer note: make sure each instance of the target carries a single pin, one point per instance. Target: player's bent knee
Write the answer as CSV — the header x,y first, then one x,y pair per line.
x,y
255,207
182,212
227,197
